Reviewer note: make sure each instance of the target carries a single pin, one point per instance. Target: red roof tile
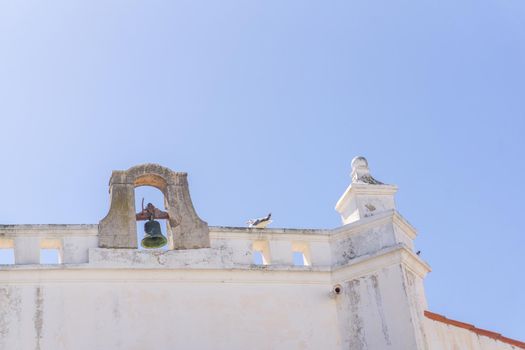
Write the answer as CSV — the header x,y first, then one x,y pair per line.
x,y
472,328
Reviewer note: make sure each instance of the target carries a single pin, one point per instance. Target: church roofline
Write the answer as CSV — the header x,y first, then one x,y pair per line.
x,y
496,336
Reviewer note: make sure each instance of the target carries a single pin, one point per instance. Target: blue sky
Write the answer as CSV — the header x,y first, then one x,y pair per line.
x,y
265,103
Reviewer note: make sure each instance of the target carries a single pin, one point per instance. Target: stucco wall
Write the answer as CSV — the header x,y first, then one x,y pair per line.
x,y
215,298
443,336
360,289
130,309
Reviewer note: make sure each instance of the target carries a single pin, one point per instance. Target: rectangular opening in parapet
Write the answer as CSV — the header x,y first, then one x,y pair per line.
x,y
156,197
7,256
258,258
50,256
260,253
301,253
299,259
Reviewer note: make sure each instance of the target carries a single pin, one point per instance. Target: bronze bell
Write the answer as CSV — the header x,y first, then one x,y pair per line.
x,y
153,237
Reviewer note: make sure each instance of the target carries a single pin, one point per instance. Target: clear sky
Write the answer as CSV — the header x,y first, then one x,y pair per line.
x,y
265,103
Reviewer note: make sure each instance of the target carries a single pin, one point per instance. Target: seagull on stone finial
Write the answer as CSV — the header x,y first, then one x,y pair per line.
x,y
361,173
260,222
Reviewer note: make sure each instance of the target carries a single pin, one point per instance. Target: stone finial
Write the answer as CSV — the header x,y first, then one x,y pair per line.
x,y
365,196
361,172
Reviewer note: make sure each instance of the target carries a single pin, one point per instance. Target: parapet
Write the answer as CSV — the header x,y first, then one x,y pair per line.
x,y
372,227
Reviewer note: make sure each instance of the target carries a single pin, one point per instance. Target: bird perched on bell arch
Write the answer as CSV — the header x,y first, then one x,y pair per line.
x,y
260,222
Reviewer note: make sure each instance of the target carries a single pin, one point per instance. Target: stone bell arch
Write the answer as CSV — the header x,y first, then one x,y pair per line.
x,y
118,229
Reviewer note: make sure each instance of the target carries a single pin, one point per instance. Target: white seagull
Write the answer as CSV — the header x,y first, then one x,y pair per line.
x,y
260,222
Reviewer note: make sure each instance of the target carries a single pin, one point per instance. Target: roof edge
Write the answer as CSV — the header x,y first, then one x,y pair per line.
x,y
472,328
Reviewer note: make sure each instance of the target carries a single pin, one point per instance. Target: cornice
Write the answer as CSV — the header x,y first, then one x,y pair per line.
x,y
221,232
367,264
88,274
373,221
400,221
355,189
48,230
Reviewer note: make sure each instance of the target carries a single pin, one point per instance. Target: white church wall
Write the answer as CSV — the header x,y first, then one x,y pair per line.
x,y
166,309
374,312
442,336
277,306
357,287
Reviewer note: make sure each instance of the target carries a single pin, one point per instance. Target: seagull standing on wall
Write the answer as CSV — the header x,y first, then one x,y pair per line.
x,y
260,222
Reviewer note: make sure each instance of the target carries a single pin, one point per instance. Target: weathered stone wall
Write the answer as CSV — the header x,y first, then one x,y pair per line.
x,y
134,309
185,229
360,287
214,297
